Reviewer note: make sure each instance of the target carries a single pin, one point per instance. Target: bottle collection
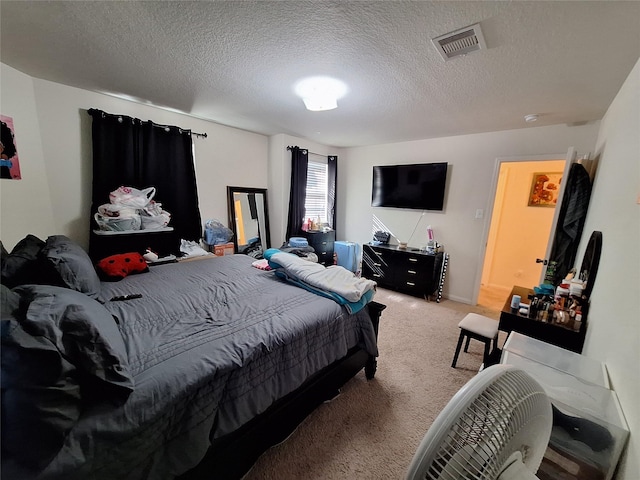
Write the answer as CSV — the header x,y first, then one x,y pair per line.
x,y
562,306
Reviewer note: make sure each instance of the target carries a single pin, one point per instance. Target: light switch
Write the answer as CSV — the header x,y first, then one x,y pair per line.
x,y
479,213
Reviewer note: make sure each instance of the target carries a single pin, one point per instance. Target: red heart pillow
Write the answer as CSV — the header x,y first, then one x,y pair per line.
x,y
116,267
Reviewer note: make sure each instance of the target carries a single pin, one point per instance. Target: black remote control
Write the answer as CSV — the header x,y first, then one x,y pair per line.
x,y
126,297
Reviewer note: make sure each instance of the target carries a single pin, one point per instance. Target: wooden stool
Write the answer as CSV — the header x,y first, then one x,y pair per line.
x,y
480,328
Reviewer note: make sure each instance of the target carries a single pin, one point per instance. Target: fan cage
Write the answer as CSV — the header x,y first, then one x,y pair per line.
x,y
475,446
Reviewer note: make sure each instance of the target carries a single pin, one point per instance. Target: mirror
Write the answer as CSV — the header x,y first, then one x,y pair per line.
x,y
590,262
249,220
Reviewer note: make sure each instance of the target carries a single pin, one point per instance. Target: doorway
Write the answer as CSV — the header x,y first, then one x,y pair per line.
x,y
519,231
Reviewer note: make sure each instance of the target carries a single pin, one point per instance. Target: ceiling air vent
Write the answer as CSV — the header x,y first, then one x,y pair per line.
x,y
460,42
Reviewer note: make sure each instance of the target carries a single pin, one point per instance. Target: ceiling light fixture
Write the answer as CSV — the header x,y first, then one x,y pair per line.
x,y
531,118
320,93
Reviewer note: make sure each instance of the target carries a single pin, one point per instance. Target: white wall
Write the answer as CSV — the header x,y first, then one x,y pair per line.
x,y
614,317
472,161
24,204
56,115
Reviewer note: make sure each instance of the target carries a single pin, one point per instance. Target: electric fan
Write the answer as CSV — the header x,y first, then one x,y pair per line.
x,y
496,427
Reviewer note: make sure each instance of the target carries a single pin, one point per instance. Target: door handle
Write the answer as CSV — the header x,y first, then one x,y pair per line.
x,y
543,261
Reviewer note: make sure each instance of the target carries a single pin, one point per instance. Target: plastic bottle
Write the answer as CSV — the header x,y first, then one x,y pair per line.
x,y
577,322
562,294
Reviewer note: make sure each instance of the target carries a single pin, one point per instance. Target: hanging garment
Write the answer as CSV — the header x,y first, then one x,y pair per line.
x,y
573,212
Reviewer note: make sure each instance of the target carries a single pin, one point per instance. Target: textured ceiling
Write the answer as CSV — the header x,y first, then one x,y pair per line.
x,y
236,62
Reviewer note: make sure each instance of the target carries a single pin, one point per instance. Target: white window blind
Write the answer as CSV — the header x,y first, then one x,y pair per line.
x,y
316,201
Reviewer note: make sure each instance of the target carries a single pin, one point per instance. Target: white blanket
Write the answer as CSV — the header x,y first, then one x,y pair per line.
x,y
332,279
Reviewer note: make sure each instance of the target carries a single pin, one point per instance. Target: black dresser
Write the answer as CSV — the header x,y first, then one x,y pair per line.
x,y
409,271
322,243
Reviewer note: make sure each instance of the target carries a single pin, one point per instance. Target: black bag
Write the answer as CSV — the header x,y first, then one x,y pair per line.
x,y
382,237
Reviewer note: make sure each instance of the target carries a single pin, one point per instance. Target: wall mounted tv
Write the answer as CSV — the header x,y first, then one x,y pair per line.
x,y
420,186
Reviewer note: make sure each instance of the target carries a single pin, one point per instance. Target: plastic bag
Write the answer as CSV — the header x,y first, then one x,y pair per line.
x,y
118,224
154,217
132,209
215,233
132,197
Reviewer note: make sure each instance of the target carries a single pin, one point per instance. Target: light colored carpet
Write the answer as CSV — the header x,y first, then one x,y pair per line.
x,y
373,428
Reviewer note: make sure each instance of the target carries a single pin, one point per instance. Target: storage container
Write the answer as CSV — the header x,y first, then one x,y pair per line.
x,y
589,429
348,254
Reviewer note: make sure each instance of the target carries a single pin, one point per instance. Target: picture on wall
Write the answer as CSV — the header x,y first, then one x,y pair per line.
x,y
545,188
9,162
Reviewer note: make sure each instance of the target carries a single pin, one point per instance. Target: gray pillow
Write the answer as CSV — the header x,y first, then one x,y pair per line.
x,y
40,392
10,301
86,334
72,264
24,264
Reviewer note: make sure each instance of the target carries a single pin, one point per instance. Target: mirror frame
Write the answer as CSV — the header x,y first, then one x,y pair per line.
x,y
591,261
264,236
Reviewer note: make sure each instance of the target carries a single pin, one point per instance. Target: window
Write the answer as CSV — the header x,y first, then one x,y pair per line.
x,y
316,204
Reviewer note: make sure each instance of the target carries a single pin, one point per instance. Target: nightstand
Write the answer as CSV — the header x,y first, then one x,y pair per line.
x,y
322,243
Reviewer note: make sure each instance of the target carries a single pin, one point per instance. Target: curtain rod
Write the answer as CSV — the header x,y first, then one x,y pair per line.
x,y
312,153
166,127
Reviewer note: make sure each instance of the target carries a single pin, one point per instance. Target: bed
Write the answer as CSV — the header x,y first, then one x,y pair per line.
x,y
219,360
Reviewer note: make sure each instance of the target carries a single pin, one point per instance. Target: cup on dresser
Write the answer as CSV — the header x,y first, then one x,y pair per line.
x,y
515,303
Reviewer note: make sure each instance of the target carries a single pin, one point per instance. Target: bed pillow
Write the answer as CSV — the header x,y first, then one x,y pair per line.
x,y
40,392
23,264
72,264
9,301
3,254
85,332
116,267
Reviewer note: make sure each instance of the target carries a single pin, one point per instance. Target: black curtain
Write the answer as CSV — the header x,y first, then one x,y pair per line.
x,y
298,191
131,152
571,218
332,173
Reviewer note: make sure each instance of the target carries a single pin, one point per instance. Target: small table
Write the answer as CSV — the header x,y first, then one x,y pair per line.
x,y
552,333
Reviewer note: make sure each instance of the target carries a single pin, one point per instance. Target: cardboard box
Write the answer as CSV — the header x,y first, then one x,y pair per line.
x,y
223,249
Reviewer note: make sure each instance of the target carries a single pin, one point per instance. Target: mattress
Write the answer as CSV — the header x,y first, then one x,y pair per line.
x,y
211,343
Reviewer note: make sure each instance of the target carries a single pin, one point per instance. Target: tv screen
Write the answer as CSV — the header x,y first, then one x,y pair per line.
x,y
420,186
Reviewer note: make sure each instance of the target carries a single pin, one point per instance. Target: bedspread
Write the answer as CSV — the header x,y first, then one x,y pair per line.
x,y
211,343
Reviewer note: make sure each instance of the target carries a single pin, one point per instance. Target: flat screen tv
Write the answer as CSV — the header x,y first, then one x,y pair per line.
x,y
420,186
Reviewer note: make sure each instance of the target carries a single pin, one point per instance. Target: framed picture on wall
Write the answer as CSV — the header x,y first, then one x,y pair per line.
x,y
545,188
9,161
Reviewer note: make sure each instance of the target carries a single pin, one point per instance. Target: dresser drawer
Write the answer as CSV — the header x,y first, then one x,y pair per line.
x,y
413,262
325,258
409,271
322,243
412,281
376,265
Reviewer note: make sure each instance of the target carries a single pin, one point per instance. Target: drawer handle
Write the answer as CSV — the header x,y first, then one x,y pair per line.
x,y
411,284
377,264
323,253
413,259
412,272
324,243
377,275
